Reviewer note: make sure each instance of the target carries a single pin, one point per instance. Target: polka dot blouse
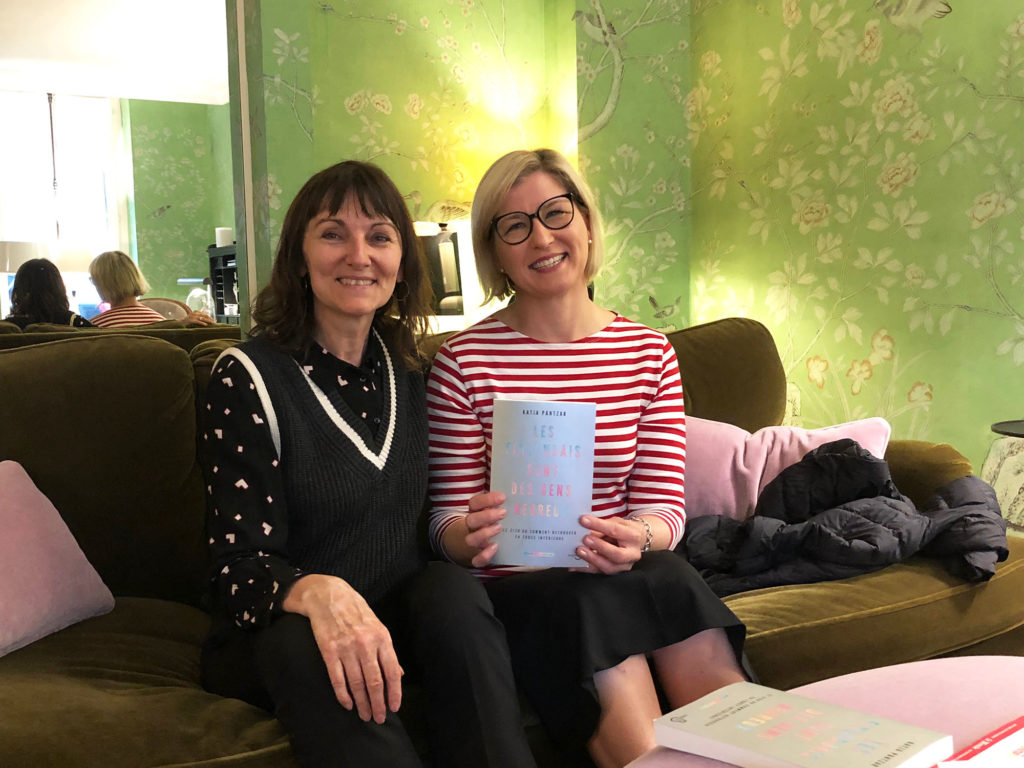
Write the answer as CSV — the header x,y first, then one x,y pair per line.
x,y
248,540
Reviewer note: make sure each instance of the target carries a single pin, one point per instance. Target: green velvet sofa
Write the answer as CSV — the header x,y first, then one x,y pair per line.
x,y
181,333
106,427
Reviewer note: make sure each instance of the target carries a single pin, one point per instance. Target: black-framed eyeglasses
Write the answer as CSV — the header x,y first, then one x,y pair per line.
x,y
554,213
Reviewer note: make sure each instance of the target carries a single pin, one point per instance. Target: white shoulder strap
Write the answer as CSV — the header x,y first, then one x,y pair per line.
x,y
261,390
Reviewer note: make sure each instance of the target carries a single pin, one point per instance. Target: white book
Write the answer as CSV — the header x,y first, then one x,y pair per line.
x,y
542,459
753,726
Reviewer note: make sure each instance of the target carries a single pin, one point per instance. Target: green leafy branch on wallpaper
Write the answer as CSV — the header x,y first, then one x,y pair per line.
x,y
519,91
610,38
498,35
640,247
452,52
993,97
713,295
955,79
793,289
987,257
597,27
279,90
438,129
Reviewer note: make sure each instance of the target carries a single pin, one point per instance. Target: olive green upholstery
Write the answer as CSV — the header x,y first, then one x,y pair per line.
x,y
731,372
106,425
122,691
182,333
909,611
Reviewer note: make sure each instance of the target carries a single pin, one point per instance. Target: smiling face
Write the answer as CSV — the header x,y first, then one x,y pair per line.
x,y
353,261
549,262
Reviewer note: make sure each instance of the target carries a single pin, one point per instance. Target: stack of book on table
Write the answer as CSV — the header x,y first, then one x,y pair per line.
x,y
753,726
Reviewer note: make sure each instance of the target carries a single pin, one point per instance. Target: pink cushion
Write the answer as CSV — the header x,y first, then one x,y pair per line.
x,y
727,467
46,583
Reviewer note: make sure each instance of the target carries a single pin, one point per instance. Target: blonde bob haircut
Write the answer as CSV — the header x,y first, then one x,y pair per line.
x,y
116,277
497,182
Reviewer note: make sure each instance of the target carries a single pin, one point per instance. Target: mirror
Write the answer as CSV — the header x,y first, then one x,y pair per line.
x,y
170,61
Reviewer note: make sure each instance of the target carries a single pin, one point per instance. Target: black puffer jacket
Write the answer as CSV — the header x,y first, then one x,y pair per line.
x,y
836,513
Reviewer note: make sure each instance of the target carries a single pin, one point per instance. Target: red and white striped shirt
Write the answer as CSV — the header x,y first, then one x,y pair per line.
x,y
121,317
628,370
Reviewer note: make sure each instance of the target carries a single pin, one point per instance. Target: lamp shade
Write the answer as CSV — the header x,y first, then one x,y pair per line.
x,y
15,253
70,258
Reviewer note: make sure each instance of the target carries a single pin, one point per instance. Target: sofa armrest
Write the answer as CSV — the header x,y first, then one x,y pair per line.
x,y
731,372
919,467
203,355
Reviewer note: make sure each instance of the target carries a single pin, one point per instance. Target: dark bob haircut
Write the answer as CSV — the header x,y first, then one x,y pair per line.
x,y
39,293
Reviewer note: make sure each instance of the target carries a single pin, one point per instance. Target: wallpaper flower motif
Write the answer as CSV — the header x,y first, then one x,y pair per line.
x,y
869,199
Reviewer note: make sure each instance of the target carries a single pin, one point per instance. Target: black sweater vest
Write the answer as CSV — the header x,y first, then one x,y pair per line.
x,y
346,516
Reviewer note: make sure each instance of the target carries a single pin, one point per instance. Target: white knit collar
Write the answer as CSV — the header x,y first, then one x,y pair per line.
x,y
379,460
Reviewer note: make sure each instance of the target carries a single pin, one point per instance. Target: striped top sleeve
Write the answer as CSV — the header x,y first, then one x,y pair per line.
x,y
628,370
124,317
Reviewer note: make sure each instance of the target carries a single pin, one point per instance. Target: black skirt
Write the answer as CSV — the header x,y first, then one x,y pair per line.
x,y
564,626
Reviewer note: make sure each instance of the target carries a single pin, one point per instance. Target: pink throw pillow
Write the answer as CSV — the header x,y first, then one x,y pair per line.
x,y
728,467
46,583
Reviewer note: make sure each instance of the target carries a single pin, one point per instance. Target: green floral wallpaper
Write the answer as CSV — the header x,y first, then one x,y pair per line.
x,y
181,155
858,174
633,74
847,172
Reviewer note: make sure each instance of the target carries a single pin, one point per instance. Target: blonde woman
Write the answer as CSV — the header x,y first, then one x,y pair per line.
x,y
120,283
588,643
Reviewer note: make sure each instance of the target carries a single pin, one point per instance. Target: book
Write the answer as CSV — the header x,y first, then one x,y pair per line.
x,y
754,726
542,459
1003,747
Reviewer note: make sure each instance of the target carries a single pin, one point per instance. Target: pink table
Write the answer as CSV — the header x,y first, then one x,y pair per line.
x,y
966,696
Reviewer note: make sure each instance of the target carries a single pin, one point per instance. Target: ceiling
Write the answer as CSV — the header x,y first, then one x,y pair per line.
x,y
143,49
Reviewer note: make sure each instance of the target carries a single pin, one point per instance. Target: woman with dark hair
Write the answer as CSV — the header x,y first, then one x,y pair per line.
x,y
39,296
316,459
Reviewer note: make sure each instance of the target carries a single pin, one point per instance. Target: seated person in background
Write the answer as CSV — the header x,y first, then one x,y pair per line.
x,y
39,296
120,283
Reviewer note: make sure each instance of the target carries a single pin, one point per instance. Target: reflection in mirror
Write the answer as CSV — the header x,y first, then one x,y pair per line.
x,y
115,146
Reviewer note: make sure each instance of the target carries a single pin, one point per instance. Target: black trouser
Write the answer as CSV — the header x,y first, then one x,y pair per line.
x,y
446,637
